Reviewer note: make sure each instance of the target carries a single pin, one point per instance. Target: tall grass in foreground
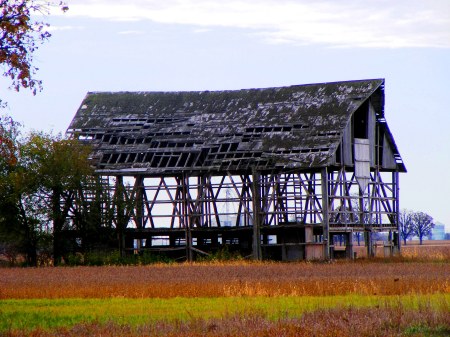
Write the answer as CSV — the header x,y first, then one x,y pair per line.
x,y
337,322
221,280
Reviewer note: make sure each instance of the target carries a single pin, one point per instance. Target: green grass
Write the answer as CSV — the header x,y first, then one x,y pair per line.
x,y
425,331
47,314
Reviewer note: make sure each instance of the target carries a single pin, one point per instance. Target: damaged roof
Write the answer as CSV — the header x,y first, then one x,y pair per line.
x,y
154,133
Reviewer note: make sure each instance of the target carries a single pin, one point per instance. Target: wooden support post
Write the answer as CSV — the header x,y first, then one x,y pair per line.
x,y
397,239
201,196
325,215
349,245
139,215
365,222
257,255
120,210
369,243
186,216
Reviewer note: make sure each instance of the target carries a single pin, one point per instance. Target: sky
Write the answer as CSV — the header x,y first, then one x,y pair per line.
x,y
178,45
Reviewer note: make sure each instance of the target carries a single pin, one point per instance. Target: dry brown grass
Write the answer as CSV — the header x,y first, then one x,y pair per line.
x,y
337,322
433,250
229,279
430,250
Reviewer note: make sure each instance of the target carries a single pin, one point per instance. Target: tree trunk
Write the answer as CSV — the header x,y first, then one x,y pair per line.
x,y
30,246
57,226
29,239
31,257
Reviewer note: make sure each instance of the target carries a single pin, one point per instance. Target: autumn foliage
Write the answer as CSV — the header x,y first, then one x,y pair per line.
x,y
8,145
20,36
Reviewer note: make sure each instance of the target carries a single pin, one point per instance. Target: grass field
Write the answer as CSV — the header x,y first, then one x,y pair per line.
x,y
231,279
407,296
15,315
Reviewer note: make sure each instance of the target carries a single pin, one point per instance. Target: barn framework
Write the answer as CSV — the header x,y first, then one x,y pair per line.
x,y
270,173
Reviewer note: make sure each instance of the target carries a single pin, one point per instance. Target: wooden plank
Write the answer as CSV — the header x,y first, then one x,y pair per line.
x,y
256,198
362,163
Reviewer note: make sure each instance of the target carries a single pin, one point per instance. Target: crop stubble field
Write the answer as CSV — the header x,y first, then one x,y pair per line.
x,y
366,298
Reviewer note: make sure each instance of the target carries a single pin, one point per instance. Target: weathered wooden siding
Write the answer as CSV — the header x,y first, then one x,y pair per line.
x,y
371,130
362,162
389,161
347,145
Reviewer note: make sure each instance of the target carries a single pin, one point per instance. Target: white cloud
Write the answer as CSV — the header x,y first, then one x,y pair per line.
x,y
54,28
201,30
344,23
131,32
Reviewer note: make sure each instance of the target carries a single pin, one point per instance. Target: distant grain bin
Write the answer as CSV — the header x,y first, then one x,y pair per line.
x,y
273,173
438,232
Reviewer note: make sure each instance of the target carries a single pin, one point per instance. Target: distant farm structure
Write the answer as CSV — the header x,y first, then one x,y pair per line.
x,y
274,173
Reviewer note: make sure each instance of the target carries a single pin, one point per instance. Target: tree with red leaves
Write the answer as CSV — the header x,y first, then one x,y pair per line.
x,y
9,131
20,36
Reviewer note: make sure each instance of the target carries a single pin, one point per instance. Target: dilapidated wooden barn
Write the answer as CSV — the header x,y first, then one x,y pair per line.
x,y
270,173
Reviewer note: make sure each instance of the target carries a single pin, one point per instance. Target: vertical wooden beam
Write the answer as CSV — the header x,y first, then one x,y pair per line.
x,y
256,192
325,215
139,215
139,188
186,216
201,195
349,245
397,239
369,244
120,209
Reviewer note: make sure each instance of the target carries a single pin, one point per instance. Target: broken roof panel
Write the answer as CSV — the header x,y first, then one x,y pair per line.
x,y
170,132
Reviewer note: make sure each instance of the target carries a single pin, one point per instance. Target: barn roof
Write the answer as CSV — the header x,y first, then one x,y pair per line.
x,y
156,133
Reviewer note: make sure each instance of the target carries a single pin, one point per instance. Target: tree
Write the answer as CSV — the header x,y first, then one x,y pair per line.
x,y
37,189
20,36
405,222
22,220
62,166
19,208
9,132
422,224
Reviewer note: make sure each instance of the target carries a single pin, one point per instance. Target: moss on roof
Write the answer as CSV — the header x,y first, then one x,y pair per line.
x,y
296,126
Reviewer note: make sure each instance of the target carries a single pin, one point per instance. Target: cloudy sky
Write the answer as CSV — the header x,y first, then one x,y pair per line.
x,y
111,45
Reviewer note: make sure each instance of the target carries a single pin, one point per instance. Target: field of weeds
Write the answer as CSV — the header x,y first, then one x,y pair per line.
x,y
227,279
337,322
406,296
430,250
54,313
